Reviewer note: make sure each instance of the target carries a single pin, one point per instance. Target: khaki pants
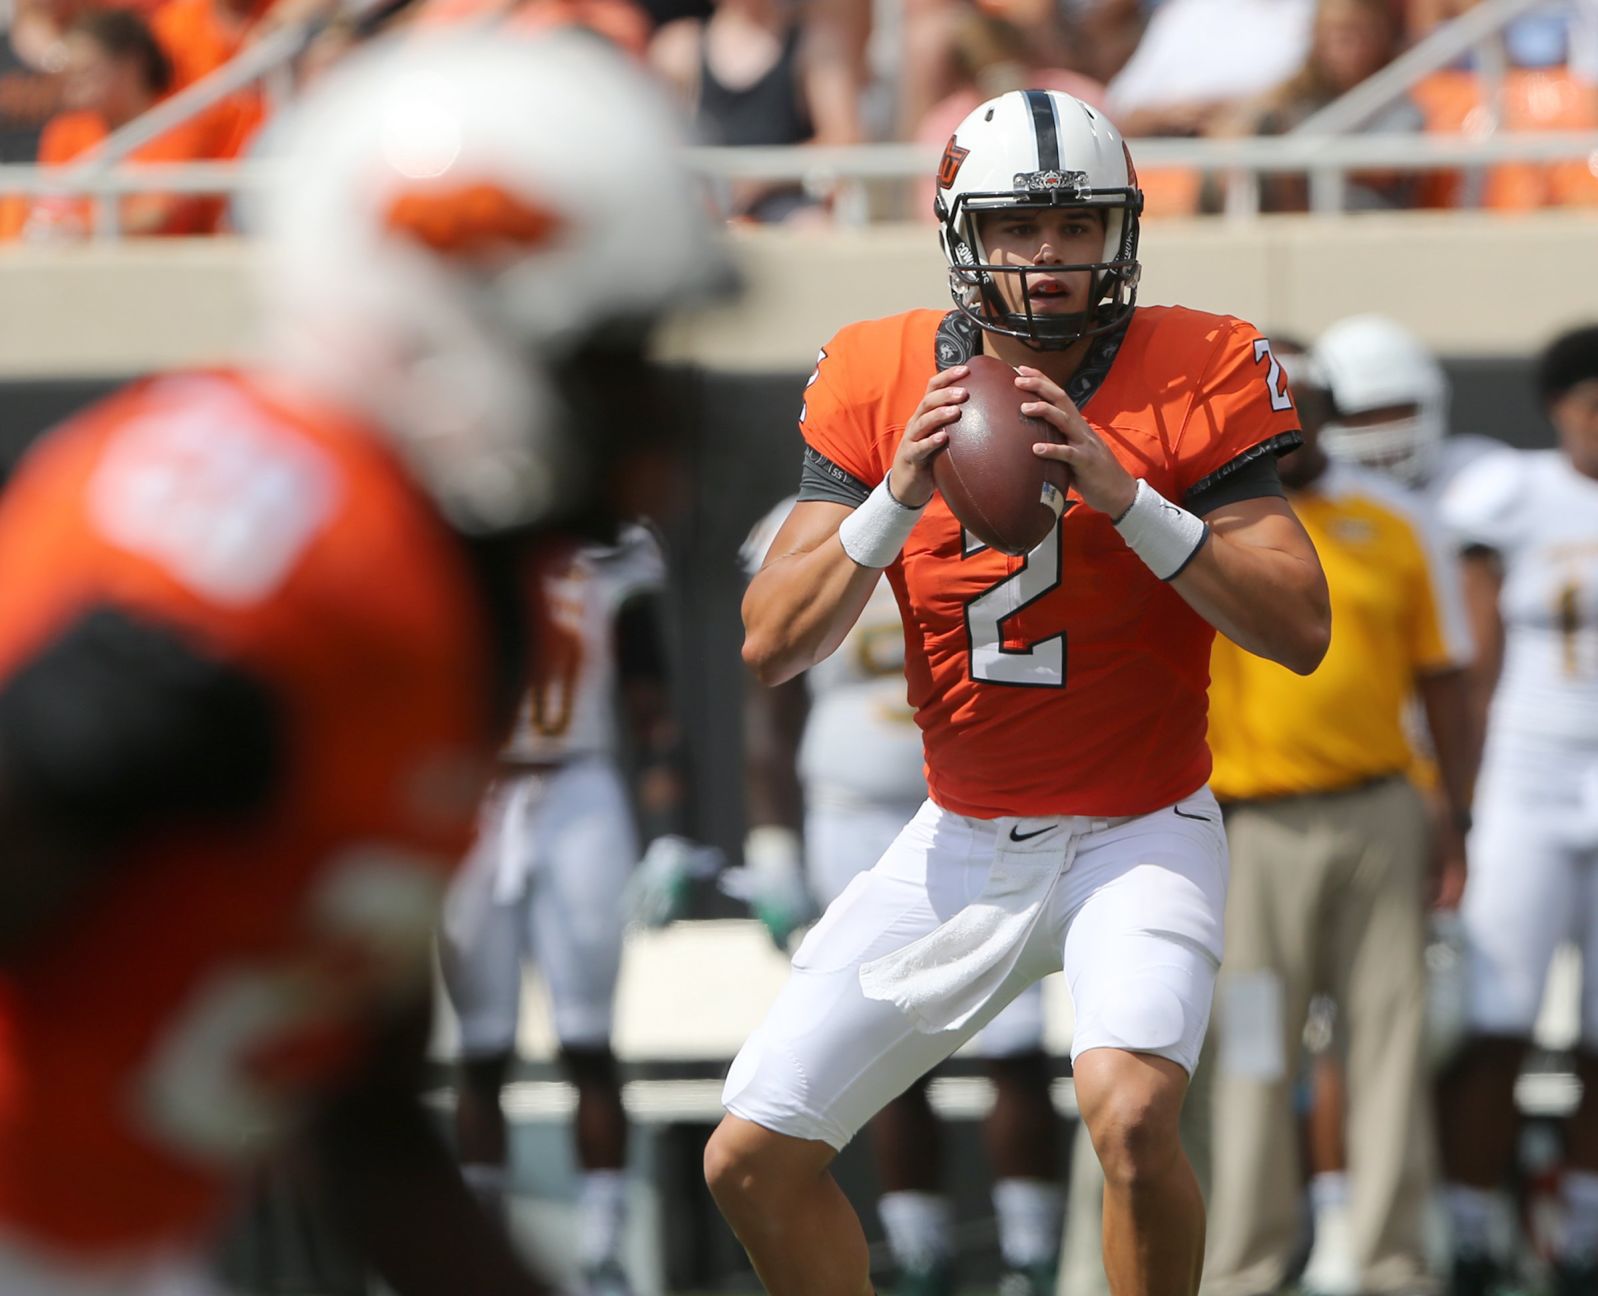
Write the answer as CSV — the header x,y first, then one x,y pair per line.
x,y
1327,896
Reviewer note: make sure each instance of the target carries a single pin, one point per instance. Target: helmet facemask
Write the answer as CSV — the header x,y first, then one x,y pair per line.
x,y
972,276
1405,449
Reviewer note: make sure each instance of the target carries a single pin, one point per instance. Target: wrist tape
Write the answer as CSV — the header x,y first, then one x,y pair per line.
x,y
1159,532
876,531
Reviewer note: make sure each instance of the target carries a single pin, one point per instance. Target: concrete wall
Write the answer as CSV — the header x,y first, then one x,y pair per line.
x,y
1472,285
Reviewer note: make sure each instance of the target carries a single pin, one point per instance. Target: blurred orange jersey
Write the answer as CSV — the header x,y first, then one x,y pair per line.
x,y
1071,680
168,1030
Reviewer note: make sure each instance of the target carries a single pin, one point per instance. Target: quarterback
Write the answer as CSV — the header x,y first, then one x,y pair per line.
x,y
1060,695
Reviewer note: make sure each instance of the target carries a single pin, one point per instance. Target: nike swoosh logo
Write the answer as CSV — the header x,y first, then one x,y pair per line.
x,y
1020,837
1201,818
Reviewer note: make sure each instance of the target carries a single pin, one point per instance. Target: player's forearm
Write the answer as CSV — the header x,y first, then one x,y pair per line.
x,y
1445,696
1271,602
798,609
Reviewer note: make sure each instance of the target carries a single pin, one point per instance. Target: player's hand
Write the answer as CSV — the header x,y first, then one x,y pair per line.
x,y
1098,476
925,437
661,886
772,883
1448,869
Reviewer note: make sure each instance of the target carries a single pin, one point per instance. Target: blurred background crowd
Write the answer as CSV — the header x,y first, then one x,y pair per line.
x,y
842,72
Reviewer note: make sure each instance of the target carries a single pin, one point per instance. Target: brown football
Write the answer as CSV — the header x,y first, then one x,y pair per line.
x,y
999,490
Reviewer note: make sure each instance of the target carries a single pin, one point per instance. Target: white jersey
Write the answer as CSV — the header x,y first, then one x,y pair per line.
x,y
860,743
570,709
1541,517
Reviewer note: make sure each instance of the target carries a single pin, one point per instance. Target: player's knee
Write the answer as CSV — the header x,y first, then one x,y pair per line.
x,y
1488,1056
1134,1132
1021,1074
752,1171
482,1076
590,1066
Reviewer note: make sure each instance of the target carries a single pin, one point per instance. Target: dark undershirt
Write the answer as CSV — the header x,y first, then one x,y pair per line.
x,y
1251,475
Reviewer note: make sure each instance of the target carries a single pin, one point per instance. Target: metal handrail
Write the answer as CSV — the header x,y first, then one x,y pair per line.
x,y
1261,154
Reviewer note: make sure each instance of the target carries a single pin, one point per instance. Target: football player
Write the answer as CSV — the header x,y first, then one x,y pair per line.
x,y
841,742
545,880
1390,406
1529,521
260,641
1060,695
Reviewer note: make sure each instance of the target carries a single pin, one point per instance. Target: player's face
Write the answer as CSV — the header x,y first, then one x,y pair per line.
x,y
1575,418
1039,237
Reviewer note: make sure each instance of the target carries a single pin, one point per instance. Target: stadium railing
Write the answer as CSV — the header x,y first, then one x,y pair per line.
x,y
1323,146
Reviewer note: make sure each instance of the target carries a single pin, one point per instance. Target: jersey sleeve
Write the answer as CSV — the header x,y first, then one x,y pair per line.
x,y
1439,632
835,423
1479,508
1241,411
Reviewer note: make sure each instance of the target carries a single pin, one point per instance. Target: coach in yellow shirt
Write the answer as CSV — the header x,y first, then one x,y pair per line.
x,y
1331,846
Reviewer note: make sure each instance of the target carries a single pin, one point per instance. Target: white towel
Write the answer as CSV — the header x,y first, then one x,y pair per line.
x,y
947,977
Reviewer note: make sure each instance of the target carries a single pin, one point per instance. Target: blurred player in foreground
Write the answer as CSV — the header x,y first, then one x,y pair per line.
x,y
545,881
261,642
1061,696
841,742
1529,524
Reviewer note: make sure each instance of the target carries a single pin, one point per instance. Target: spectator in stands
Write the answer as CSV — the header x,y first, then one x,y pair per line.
x,y
753,75
992,55
1330,850
28,97
115,71
1351,41
199,37
1200,58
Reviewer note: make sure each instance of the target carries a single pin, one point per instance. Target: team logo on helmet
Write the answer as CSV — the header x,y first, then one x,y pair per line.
x,y
1051,181
953,156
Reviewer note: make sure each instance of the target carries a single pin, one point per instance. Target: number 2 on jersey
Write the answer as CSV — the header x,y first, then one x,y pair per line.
x,y
991,661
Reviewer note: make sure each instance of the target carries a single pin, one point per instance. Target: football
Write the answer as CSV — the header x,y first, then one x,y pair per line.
x,y
1001,492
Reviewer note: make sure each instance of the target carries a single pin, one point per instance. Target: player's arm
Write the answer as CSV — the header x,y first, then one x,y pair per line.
x,y
1248,567
1259,582
827,558
1482,572
120,726
393,1187
1445,698
644,674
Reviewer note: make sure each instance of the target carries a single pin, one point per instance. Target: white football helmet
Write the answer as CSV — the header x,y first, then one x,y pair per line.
x,y
459,225
1370,364
1038,148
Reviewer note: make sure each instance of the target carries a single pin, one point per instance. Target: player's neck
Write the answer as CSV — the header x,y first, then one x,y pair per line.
x,y
1058,366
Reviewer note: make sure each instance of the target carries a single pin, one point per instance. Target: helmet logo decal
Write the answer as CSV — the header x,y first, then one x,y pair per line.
x,y
949,167
1052,181
471,221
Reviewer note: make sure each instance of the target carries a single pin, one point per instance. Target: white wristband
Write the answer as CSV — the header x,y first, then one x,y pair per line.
x,y
876,531
1163,535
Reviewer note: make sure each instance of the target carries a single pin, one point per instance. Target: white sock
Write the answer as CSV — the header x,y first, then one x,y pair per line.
x,y
601,1216
918,1226
1472,1213
1331,1269
487,1182
1329,1189
1031,1214
1578,1241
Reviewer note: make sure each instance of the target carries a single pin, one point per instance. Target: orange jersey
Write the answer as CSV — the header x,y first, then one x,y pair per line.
x,y
167,1030
1071,680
